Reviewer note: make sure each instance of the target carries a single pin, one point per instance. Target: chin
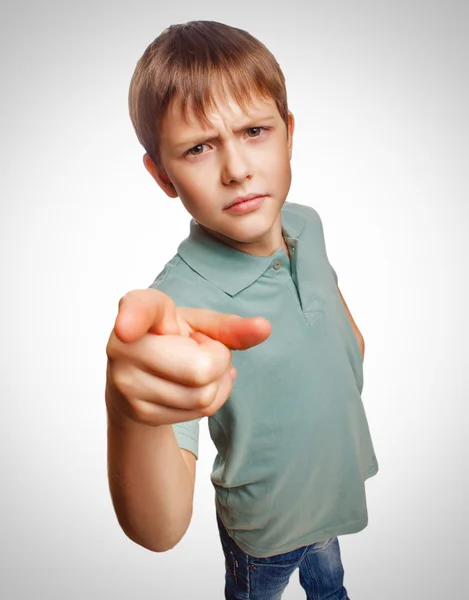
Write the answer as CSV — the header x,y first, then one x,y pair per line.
x,y
249,235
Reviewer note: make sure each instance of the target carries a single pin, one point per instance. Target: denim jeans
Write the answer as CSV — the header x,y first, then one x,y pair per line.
x,y
250,578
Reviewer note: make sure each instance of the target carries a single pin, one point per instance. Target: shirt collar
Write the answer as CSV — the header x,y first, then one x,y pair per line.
x,y
228,268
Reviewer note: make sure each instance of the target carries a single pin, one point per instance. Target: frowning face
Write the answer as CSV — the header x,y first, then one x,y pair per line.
x,y
239,155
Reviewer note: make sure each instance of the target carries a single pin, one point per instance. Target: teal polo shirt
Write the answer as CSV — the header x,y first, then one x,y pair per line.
x,y
293,443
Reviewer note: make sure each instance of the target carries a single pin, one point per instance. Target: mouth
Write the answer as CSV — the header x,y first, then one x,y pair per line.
x,y
240,199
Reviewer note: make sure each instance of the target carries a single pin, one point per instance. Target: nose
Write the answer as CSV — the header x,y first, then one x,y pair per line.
x,y
236,166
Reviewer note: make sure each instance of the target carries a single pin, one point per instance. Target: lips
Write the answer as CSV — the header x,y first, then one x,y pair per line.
x,y
240,199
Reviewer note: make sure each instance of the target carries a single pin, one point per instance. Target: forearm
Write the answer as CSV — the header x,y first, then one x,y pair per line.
x,y
150,484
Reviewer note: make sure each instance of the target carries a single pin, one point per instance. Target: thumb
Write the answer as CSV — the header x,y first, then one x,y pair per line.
x,y
145,311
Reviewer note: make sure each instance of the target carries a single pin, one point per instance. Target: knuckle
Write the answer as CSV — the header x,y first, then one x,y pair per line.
x,y
201,371
141,411
218,399
122,378
205,397
132,408
207,411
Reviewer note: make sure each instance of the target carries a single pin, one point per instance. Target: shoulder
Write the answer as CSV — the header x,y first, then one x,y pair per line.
x,y
311,223
304,210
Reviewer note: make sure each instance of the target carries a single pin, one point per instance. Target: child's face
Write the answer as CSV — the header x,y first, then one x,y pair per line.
x,y
237,156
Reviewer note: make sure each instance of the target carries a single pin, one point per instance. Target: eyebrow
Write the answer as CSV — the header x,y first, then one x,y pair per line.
x,y
193,141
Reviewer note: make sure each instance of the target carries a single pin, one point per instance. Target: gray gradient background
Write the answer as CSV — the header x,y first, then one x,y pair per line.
x,y
380,95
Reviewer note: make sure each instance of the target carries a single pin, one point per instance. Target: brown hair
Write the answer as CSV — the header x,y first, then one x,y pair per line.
x,y
186,62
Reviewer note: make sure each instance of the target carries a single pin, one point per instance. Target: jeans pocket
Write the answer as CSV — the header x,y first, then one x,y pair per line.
x,y
288,560
270,575
230,560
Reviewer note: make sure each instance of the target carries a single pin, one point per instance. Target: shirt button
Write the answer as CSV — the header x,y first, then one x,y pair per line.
x,y
277,264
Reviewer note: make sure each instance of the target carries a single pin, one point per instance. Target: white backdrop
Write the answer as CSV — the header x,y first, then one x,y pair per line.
x,y
380,95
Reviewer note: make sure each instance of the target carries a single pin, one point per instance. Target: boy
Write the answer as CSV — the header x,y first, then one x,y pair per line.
x,y
209,105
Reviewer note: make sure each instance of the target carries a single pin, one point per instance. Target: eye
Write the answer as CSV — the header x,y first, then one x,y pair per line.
x,y
256,130
190,151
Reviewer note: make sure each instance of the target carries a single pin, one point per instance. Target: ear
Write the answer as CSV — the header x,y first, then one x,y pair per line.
x,y
159,176
291,128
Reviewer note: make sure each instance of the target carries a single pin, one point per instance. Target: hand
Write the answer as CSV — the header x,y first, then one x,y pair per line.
x,y
168,364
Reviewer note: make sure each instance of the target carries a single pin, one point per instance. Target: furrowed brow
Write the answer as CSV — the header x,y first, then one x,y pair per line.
x,y
194,140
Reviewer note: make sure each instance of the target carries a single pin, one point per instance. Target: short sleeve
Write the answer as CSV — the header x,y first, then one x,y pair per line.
x,y
187,435
335,275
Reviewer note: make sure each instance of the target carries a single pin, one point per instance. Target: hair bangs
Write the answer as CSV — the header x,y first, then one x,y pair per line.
x,y
204,90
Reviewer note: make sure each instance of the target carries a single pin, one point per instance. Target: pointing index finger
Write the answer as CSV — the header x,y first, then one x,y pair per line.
x,y
234,331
